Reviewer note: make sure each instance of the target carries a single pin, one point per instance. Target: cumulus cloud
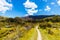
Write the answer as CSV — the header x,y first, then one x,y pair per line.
x,y
29,4
31,11
31,7
58,2
4,6
47,8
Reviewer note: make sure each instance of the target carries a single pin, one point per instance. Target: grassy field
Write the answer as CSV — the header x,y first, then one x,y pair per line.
x,y
31,35
12,34
6,33
54,35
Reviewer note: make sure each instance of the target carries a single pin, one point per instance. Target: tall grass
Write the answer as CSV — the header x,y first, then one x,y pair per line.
x,y
54,36
31,35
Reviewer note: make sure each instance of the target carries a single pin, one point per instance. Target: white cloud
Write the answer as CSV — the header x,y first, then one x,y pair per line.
x,y
4,6
31,7
29,4
32,11
58,2
47,8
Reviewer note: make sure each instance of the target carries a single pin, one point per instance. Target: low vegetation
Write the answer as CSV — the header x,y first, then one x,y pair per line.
x,y
24,29
50,30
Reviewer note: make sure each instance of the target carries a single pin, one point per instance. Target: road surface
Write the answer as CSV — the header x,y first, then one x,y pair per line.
x,y
39,34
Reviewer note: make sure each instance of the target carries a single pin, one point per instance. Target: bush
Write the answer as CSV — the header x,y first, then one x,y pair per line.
x,y
44,25
50,32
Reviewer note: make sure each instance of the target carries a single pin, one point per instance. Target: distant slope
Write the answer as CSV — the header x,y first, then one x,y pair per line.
x,y
37,17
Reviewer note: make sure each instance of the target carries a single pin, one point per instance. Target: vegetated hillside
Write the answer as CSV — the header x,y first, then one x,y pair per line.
x,y
50,22
17,28
42,18
50,28
14,22
52,19
38,16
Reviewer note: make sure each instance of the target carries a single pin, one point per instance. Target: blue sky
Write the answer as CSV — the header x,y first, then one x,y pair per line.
x,y
20,8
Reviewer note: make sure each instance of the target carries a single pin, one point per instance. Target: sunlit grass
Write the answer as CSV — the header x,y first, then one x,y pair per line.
x,y
54,36
31,35
26,34
5,33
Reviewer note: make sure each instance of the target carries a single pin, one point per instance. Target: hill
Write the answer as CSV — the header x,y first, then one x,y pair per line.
x,y
38,16
23,28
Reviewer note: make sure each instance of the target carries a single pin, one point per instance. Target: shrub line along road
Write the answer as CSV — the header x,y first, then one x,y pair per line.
x,y
39,34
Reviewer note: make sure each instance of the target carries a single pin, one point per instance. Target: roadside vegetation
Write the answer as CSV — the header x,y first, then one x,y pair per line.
x,y
24,29
16,29
50,28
